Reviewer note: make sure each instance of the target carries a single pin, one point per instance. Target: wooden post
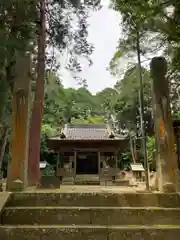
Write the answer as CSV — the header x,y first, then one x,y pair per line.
x,y
18,167
167,169
75,159
57,163
99,163
116,159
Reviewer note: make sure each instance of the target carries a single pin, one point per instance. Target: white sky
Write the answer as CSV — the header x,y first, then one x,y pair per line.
x,y
104,32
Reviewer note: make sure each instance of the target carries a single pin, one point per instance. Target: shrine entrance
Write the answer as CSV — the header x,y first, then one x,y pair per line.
x,y
87,163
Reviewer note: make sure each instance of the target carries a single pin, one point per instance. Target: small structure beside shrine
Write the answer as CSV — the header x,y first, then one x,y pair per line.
x,y
43,166
87,151
138,171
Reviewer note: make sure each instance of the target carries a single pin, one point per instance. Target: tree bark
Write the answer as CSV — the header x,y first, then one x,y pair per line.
x,y
17,169
3,146
37,112
167,168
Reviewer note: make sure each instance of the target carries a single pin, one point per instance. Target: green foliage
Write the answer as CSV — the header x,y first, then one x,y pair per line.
x,y
47,130
151,152
124,160
68,105
45,153
157,23
107,98
48,171
127,104
89,120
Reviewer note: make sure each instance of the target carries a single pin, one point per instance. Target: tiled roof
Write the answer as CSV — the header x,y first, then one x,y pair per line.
x,y
86,131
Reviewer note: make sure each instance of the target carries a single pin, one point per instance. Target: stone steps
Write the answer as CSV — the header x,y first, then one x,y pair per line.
x,y
90,179
67,181
89,232
98,216
43,198
90,215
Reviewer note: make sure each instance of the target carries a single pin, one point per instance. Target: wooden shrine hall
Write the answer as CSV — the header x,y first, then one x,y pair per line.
x,y
87,150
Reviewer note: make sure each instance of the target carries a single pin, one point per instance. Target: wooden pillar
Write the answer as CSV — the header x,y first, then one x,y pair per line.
x,y
18,165
58,162
167,169
75,159
115,155
99,162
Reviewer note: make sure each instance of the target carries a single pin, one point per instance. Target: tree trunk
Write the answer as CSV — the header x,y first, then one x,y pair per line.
x,y
37,112
132,150
3,146
17,169
167,168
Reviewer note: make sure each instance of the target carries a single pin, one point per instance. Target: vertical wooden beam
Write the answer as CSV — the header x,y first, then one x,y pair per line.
x,y
99,162
57,163
75,164
18,166
167,169
115,155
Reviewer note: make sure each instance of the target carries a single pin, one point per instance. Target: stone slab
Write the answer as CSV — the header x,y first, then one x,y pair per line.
x,y
119,182
144,233
45,198
90,215
4,196
90,233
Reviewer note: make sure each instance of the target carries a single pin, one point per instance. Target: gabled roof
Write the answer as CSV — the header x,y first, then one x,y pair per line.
x,y
87,132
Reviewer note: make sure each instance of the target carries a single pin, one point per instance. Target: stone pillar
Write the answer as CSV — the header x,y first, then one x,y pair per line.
x,y
167,169
18,165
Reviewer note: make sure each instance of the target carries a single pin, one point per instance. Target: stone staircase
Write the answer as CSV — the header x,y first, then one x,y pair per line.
x,y
98,216
87,179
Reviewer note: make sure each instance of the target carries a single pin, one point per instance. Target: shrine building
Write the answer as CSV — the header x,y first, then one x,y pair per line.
x,y
87,149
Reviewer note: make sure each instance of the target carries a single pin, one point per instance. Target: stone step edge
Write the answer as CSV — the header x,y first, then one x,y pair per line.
x,y
89,208
94,192
110,227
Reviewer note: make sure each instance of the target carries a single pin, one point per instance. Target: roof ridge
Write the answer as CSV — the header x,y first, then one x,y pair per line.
x,y
87,125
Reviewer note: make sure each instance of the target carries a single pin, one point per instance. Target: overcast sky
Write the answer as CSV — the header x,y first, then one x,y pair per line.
x,y
104,32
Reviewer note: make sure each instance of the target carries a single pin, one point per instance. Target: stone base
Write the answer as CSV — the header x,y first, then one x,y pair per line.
x,y
16,186
51,182
120,182
168,188
106,182
68,181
